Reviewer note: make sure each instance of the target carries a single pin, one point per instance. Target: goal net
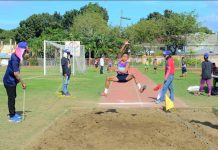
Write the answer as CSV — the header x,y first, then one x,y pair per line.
x,y
53,52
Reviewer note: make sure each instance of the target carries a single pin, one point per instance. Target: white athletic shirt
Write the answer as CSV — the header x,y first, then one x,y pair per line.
x,y
102,62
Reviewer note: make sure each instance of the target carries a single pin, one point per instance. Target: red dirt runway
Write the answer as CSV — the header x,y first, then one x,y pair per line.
x,y
128,95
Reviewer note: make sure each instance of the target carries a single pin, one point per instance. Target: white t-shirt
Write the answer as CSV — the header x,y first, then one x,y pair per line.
x,y
102,62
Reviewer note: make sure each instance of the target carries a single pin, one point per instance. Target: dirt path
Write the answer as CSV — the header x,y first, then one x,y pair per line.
x,y
127,94
126,129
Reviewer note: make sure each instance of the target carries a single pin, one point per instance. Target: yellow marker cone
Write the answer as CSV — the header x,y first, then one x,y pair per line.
x,y
168,103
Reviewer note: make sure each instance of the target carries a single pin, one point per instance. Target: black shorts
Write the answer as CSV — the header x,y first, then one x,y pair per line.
x,y
122,77
155,68
184,70
96,65
215,79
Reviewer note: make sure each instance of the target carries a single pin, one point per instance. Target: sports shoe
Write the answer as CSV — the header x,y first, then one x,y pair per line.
x,y
103,94
14,119
67,94
158,101
18,116
143,88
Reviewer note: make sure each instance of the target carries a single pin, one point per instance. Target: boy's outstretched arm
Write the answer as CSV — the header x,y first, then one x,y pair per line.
x,y
122,48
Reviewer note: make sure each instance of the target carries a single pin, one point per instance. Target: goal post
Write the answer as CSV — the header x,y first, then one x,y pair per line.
x,y
53,52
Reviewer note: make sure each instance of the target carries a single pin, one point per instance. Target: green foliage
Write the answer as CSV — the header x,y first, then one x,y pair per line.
x,y
192,62
95,8
34,26
68,18
5,35
205,30
90,26
33,62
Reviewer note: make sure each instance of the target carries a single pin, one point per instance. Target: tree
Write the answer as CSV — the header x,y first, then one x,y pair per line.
x,y
89,28
5,35
204,30
50,35
154,15
177,27
95,8
68,18
35,25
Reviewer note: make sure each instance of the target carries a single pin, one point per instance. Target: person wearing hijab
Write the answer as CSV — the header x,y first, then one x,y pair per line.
x,y
12,78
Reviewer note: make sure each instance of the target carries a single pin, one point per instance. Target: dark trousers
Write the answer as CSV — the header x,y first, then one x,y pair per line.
x,y
11,92
102,70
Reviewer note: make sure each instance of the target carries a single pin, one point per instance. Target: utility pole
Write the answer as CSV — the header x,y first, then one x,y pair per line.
x,y
123,18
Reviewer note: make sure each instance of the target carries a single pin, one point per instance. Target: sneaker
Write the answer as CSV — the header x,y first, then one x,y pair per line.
x,y
158,101
67,94
18,116
143,88
14,119
103,94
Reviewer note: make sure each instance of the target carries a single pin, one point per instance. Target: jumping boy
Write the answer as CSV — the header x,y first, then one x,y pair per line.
x,y
122,72
12,78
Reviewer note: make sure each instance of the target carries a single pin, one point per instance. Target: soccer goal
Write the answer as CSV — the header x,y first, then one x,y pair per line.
x,y
53,52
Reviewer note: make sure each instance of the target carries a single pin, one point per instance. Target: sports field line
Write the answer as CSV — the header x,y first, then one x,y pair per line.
x,y
1,83
127,103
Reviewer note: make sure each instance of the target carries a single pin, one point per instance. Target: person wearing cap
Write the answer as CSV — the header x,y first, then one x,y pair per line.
x,y
168,78
102,65
206,74
12,78
66,70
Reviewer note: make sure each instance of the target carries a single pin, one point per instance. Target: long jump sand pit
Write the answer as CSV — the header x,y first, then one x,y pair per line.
x,y
129,129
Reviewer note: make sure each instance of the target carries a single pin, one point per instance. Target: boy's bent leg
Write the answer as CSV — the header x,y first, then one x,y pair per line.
x,y
11,92
141,88
107,84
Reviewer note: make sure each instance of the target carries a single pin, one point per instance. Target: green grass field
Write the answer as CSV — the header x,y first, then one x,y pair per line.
x,y
43,105
181,85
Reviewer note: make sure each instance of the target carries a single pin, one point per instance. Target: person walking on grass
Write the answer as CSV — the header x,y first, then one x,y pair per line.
x,y
155,65
168,78
146,65
102,65
206,75
184,68
66,70
12,77
122,72
96,65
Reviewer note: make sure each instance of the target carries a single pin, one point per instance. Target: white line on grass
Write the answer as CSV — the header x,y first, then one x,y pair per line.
x,y
128,103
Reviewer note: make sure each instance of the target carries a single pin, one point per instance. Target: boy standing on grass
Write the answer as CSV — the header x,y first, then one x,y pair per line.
x,y
168,78
184,68
206,74
12,78
66,70
155,65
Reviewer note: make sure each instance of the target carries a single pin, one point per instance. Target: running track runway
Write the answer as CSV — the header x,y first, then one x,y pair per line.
x,y
127,95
